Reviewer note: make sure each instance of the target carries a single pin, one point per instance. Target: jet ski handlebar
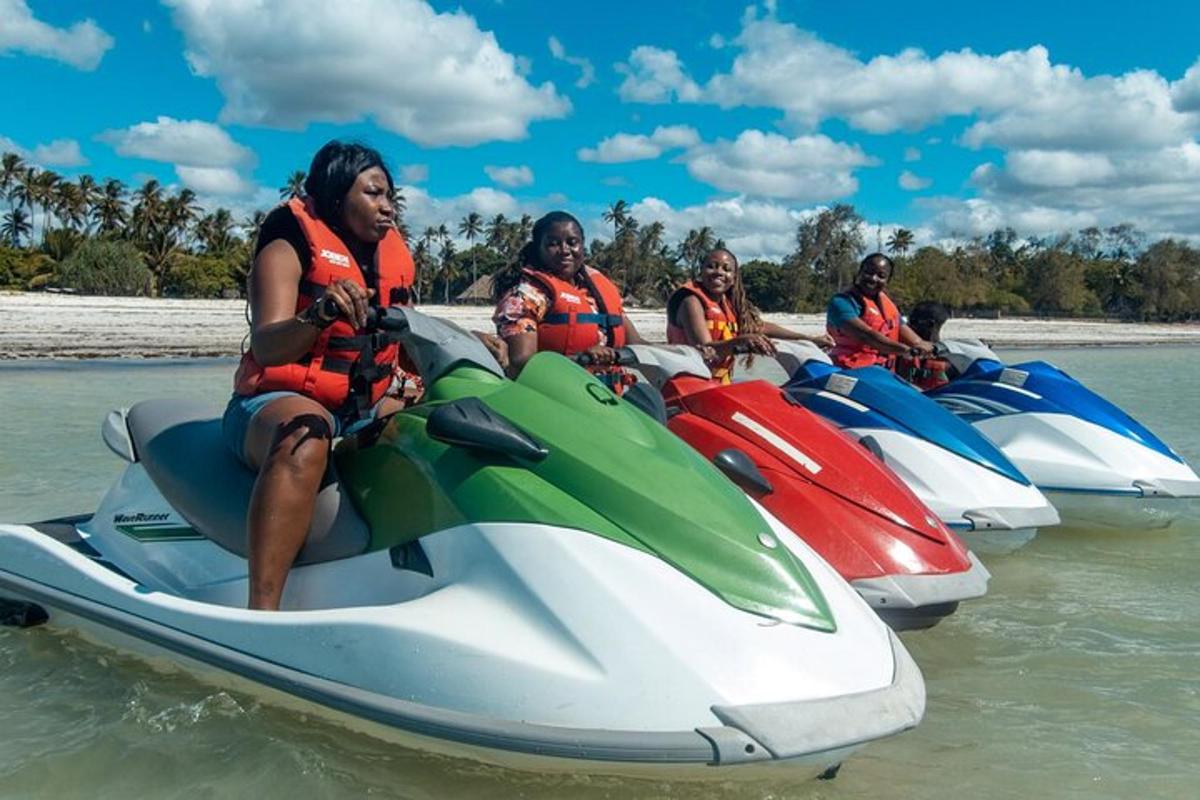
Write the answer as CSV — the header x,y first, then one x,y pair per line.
x,y
386,319
625,358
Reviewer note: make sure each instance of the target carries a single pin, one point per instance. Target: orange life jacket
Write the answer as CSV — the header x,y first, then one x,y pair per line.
x,y
849,351
923,373
571,326
347,370
718,317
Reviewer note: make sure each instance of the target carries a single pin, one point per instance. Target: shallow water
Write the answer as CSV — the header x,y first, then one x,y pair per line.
x,y
1075,677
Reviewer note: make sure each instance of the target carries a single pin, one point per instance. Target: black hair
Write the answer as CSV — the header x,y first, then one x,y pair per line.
x,y
529,255
333,171
745,314
926,317
874,257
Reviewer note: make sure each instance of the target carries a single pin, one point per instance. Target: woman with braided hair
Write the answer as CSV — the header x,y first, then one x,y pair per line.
x,y
552,300
714,311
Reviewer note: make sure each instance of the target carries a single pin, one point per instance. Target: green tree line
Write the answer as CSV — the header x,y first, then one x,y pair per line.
x,y
100,237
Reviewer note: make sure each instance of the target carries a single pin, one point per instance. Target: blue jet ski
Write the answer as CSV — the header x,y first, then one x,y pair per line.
x,y
1100,466
962,476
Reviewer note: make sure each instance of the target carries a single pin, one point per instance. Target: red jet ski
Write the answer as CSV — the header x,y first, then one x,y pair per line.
x,y
838,497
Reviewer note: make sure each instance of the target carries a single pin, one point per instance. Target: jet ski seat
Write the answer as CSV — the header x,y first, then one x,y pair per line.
x,y
179,444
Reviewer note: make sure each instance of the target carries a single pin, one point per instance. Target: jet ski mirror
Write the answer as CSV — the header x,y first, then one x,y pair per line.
x,y
468,422
793,355
740,469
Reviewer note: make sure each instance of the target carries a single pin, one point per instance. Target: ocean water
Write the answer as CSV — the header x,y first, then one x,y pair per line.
x,y
1078,676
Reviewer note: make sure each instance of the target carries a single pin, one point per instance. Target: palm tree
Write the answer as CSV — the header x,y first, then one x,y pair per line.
x,y
399,206
497,231
215,232
147,209
252,223
448,270
109,210
42,191
618,215
70,205
294,186
470,228
89,195
900,241
423,263
11,166
16,224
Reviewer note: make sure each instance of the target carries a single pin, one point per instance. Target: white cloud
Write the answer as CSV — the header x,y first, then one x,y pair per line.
x,y
424,209
654,75
751,228
1076,113
623,147
587,72
191,142
511,177
206,158
221,181
1057,168
1045,193
1020,97
806,168
1078,148
912,154
414,173
435,78
1185,93
58,153
911,182
82,45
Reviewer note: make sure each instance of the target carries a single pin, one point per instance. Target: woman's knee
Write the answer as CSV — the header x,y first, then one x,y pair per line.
x,y
302,443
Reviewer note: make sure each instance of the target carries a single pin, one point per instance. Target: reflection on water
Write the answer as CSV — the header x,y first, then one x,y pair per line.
x,y
1074,677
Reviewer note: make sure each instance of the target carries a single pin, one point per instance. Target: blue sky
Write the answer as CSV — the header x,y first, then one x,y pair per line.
x,y
947,119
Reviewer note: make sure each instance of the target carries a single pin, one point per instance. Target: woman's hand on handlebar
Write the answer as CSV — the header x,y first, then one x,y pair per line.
x,y
921,349
755,343
351,300
598,355
823,341
496,346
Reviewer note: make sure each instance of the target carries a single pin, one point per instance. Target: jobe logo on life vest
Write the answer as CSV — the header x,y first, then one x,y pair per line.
x,y
337,259
570,298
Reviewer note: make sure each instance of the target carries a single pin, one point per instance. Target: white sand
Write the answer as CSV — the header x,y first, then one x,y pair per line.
x,y
39,325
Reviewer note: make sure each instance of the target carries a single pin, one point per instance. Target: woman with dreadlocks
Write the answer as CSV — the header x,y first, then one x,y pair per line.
x,y
714,311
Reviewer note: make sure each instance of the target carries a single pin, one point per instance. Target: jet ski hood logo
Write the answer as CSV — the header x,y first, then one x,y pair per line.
x,y
140,516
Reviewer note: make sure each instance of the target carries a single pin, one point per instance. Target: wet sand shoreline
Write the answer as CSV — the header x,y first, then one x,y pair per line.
x,y
54,326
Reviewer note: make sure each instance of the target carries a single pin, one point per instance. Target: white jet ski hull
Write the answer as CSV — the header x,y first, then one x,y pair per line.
x,y
1096,478
990,511
529,645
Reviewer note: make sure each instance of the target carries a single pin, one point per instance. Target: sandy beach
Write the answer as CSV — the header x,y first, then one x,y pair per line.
x,y
40,326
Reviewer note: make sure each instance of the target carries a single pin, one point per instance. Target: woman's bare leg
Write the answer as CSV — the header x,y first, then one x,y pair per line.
x,y
288,441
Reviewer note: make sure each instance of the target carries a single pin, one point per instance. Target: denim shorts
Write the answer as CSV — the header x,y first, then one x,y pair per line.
x,y
242,408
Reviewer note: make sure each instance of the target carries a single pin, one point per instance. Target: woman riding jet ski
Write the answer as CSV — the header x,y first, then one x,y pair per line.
x,y
1097,464
832,493
532,572
950,466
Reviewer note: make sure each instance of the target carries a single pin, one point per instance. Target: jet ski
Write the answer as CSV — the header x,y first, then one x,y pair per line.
x,y
1099,466
964,478
532,573
838,498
